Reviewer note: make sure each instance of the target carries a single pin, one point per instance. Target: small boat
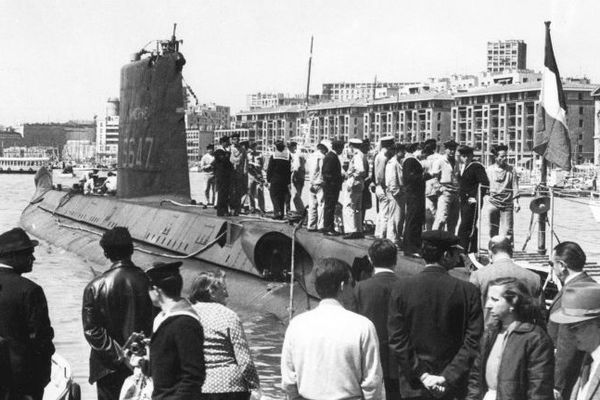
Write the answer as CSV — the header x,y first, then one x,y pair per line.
x,y
61,386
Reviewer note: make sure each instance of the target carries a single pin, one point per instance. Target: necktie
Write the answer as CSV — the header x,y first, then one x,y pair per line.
x,y
585,370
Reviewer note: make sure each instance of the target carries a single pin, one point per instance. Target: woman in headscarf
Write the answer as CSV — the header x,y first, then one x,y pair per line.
x,y
230,371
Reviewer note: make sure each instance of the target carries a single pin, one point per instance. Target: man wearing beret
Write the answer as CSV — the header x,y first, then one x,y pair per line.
x,y
472,176
24,322
115,305
579,313
177,347
435,337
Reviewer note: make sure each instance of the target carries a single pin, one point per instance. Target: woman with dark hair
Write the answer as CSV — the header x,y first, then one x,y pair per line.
x,y
230,371
516,360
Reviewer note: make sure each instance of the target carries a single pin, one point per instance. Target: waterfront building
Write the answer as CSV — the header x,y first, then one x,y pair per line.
x,y
506,54
256,101
596,96
79,151
28,152
107,133
201,122
53,134
269,125
348,91
505,114
9,138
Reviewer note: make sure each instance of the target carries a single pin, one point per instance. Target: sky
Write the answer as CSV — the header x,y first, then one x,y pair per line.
x,y
62,59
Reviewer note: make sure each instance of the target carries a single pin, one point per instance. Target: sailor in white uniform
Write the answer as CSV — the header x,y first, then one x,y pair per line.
x,y
357,172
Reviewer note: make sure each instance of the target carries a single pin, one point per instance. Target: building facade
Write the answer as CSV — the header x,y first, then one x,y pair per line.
x,y
349,91
201,122
107,133
506,115
506,55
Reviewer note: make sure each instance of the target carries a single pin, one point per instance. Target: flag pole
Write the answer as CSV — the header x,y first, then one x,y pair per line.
x,y
542,217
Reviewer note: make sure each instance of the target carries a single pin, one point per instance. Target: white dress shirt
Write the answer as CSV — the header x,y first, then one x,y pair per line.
x,y
582,395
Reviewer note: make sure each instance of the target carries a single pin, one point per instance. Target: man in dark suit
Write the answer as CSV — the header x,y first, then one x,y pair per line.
x,y
568,260
115,304
435,323
414,178
24,322
332,185
371,299
472,175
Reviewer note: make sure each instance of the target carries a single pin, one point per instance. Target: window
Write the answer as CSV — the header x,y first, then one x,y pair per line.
x,y
581,123
580,110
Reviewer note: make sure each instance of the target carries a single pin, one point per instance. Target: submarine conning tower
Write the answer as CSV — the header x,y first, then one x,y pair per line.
x,y
152,158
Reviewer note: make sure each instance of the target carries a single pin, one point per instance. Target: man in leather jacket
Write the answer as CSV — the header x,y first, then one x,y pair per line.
x,y
115,304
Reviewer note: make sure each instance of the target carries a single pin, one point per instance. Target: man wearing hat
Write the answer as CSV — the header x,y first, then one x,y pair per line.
x,y
429,157
239,175
279,177
504,193
379,166
445,169
472,176
24,322
256,181
207,172
435,337
314,166
115,305
579,313
332,185
355,180
414,178
567,262
177,362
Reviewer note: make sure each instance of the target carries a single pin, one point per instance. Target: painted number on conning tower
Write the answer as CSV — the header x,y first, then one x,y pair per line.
x,y
137,152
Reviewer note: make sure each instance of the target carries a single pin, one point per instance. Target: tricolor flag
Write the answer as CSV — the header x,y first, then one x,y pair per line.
x,y
551,139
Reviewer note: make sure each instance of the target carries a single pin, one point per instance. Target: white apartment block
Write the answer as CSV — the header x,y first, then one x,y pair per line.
x,y
107,133
506,55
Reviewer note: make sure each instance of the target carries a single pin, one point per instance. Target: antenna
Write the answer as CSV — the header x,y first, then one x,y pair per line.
x,y
306,121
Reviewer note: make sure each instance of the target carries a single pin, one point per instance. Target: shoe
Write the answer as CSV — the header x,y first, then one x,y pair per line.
x,y
354,235
331,233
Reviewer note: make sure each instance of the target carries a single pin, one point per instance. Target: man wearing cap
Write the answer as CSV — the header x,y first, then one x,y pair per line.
x,y
177,347
472,176
445,169
429,157
207,172
24,322
238,177
256,181
379,168
579,313
567,261
503,196
279,177
298,168
396,195
435,323
414,178
332,185
115,305
355,180
314,166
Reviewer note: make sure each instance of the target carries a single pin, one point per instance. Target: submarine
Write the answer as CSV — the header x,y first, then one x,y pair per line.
x,y
268,263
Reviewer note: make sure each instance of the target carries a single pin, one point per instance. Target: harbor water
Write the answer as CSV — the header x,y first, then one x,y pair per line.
x,y
64,275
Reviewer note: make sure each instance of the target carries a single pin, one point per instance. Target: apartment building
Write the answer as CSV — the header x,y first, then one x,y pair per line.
x,y
201,122
107,133
505,114
256,101
506,55
269,125
349,91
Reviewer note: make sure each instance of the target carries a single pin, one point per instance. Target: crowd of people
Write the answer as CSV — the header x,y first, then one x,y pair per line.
x,y
425,336
416,187
434,336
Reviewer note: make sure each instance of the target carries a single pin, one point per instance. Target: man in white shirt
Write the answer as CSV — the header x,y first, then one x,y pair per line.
x,y
357,172
445,170
298,175
315,181
331,353
207,171
396,195
580,312
379,166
